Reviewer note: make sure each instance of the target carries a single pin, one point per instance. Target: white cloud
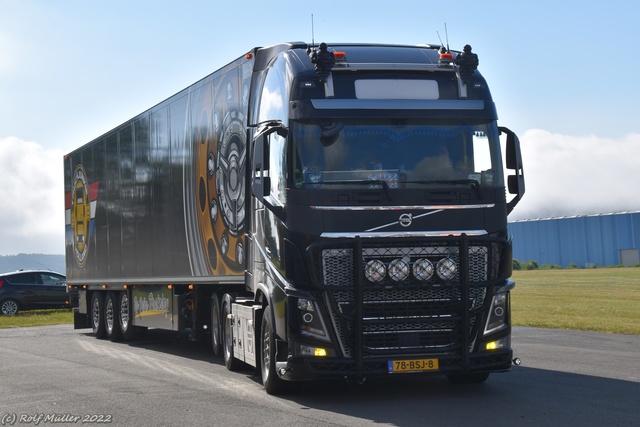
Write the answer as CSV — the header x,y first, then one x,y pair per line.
x,y
578,175
32,196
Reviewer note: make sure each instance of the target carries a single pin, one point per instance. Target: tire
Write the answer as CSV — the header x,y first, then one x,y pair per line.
x,y
230,361
272,383
125,318
111,315
96,315
471,378
216,340
10,307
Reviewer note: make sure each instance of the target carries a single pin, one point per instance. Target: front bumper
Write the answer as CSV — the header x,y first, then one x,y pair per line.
x,y
308,368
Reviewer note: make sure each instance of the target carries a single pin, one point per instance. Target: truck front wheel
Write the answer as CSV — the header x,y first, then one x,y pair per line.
x,y
230,361
270,380
97,315
215,325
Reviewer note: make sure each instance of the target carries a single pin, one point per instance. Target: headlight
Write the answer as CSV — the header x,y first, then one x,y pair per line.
x,y
375,271
399,269
446,269
498,315
311,323
423,269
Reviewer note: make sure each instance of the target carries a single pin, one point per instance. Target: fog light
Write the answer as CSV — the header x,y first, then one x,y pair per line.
x,y
375,271
502,343
306,350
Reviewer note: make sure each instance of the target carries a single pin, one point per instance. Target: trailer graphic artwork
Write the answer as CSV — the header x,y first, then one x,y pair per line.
x,y
220,166
80,210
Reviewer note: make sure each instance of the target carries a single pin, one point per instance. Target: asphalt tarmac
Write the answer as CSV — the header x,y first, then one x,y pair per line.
x,y
55,375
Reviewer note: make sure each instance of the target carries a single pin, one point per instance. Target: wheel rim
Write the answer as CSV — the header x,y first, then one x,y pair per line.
x,y
227,335
95,313
108,315
124,312
9,308
215,327
266,349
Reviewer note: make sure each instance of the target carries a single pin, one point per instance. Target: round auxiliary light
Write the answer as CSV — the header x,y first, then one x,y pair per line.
x,y
375,271
446,269
423,269
399,269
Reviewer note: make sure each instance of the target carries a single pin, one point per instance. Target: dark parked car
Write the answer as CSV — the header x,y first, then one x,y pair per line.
x,y
32,289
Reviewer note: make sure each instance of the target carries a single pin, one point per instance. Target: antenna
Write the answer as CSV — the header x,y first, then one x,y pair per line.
x,y
313,42
43,266
446,35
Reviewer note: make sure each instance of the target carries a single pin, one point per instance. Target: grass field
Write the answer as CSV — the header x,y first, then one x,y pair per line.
x,y
602,299
37,318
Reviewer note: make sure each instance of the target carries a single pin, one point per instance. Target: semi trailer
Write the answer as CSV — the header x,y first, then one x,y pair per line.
x,y
331,211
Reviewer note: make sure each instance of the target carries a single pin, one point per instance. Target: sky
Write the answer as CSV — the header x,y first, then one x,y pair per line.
x,y
564,76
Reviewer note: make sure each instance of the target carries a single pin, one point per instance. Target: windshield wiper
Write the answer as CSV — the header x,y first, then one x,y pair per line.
x,y
381,182
472,182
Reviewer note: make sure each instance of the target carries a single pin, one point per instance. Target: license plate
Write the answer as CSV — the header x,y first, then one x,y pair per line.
x,y
413,365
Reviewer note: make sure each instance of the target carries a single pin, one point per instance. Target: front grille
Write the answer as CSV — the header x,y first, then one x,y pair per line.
x,y
407,314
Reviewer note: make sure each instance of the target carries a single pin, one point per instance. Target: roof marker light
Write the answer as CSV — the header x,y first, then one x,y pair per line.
x,y
341,58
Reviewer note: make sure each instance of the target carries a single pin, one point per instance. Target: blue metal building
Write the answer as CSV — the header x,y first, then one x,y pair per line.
x,y
593,240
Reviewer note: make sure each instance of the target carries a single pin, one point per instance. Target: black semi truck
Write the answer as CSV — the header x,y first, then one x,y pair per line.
x,y
316,211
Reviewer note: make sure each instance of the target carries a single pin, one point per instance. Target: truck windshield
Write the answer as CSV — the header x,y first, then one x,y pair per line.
x,y
394,154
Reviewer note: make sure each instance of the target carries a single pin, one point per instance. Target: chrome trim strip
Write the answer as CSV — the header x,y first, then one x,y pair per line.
x,y
443,233
396,104
400,208
396,222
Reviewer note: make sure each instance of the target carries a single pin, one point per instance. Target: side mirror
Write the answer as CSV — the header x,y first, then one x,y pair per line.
x,y
515,182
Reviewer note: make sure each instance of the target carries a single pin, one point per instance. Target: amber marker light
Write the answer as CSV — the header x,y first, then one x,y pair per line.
x,y
248,55
170,287
104,286
190,287
446,56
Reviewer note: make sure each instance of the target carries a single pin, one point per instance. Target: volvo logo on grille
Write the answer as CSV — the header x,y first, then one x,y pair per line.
x,y
405,220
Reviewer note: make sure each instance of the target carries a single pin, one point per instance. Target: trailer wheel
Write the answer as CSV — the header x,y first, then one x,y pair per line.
x,y
111,314
129,331
97,315
471,378
216,341
270,380
227,336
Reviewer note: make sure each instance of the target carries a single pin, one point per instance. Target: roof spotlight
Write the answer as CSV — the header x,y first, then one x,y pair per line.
x,y
423,269
375,271
446,269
